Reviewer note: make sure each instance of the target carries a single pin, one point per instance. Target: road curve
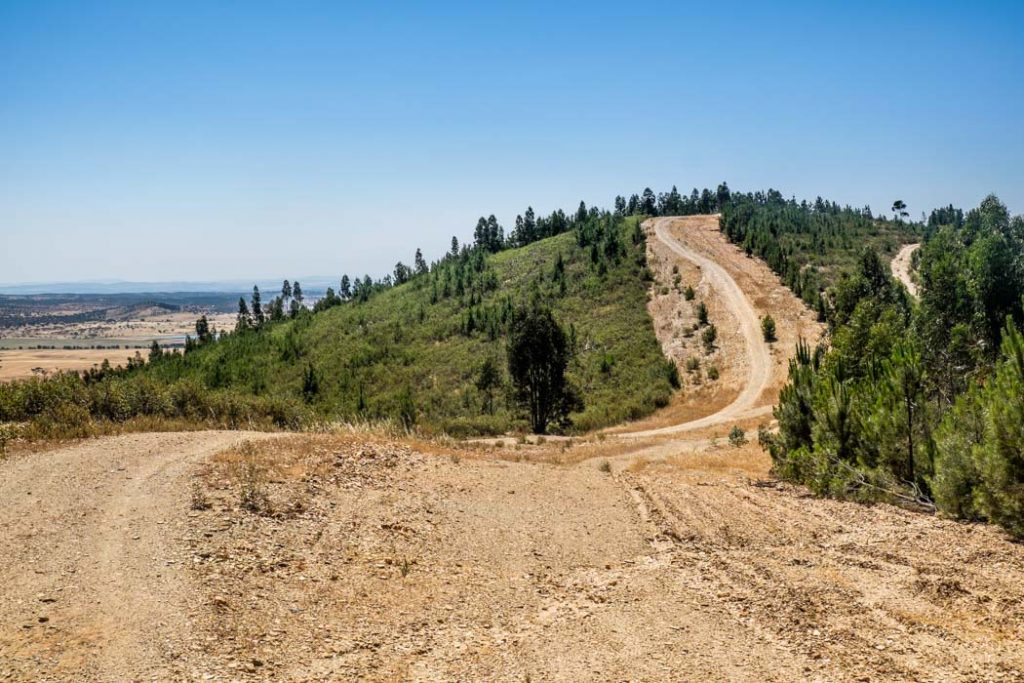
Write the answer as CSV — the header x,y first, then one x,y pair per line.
x,y
901,267
760,361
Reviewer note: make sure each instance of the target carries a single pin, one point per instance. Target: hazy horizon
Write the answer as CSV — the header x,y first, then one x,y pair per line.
x,y
196,142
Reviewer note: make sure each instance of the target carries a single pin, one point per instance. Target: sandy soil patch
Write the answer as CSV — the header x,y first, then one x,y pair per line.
x,y
19,364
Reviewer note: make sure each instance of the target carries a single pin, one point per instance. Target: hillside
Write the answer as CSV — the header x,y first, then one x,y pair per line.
x,y
356,555
413,352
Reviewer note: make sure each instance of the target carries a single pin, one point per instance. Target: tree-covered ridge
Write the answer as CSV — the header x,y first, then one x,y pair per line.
x,y
427,340
808,244
919,402
427,343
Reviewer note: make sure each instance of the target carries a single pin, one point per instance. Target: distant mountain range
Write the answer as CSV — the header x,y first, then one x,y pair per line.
x,y
312,285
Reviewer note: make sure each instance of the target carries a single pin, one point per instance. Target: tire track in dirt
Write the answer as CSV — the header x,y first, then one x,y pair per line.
x,y
90,558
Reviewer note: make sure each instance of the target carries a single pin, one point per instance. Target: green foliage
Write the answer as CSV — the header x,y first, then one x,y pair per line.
x,y
982,473
737,437
709,337
376,348
768,329
488,381
808,244
702,314
911,402
538,356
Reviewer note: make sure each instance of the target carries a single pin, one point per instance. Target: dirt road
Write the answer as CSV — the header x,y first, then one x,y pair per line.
x,y
91,566
901,267
666,557
759,361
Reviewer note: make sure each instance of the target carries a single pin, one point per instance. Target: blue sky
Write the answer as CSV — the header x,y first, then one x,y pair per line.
x,y
201,140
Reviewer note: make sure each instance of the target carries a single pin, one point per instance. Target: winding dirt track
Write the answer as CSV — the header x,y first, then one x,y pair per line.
x,y
382,561
759,374
901,267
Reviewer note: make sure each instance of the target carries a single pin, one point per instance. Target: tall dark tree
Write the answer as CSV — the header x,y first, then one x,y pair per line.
x,y
538,355
648,202
620,205
420,263
204,333
899,209
402,273
723,194
346,288
258,317
286,290
297,292
244,320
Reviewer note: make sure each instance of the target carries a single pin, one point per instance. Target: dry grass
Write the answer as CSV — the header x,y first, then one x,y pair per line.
x,y
20,364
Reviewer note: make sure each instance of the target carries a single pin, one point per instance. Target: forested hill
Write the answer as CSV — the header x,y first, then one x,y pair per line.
x,y
810,245
919,402
426,344
431,349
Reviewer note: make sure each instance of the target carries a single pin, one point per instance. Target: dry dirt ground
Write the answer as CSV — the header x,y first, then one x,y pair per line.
x,y
901,267
21,363
359,556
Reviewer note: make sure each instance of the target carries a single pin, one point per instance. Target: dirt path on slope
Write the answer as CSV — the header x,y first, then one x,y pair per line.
x,y
758,359
740,291
91,560
901,265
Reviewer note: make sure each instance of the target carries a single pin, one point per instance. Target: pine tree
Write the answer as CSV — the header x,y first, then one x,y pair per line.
x,y
346,288
310,383
286,290
258,317
768,328
204,333
155,352
421,263
538,355
488,380
244,320
297,292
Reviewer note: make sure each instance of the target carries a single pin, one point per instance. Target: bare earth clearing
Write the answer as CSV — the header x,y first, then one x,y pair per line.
x,y
384,560
901,267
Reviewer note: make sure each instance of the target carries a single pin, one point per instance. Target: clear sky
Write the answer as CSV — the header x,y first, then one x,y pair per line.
x,y
199,140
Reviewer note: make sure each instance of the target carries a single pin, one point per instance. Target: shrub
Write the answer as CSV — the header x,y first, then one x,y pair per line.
x,y
768,328
737,437
713,372
692,364
252,494
197,497
688,293
702,314
709,337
